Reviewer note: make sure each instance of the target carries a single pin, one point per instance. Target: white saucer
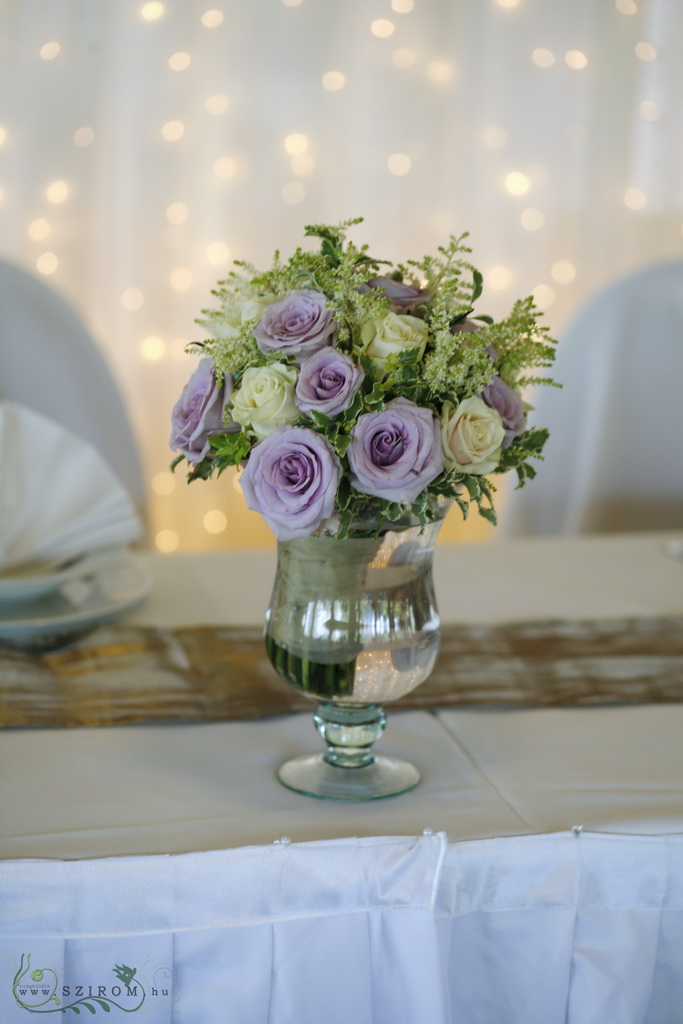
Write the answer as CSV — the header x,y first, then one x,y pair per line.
x,y
28,583
81,603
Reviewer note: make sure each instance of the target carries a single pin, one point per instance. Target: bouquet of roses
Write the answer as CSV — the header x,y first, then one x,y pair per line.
x,y
351,394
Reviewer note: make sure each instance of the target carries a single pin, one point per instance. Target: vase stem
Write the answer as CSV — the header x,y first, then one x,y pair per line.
x,y
349,732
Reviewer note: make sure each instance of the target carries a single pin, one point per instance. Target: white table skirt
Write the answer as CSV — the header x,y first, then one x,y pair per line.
x,y
557,929
503,914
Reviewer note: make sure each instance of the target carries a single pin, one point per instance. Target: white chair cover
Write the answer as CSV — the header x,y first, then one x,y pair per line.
x,y
50,363
614,460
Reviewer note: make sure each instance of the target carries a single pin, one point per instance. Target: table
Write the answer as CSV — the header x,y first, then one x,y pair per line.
x,y
535,875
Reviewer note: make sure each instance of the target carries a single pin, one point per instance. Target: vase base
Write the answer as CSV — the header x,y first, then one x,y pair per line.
x,y
313,776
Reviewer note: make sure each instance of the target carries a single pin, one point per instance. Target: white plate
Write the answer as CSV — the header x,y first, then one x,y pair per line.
x,y
80,604
31,582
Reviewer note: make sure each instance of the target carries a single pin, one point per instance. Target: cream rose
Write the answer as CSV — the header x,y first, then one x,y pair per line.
x,y
237,311
384,336
471,436
265,398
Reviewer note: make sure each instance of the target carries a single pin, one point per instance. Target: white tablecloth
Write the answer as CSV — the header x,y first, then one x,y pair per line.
x,y
549,885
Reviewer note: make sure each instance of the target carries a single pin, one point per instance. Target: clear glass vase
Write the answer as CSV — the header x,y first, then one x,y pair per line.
x,y
353,624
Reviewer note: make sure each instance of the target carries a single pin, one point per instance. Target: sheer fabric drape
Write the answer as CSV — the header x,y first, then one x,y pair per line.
x,y
168,137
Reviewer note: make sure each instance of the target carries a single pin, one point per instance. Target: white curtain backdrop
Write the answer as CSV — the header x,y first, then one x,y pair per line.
x,y
144,146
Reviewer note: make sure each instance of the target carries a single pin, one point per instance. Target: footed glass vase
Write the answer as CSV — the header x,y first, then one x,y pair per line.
x,y
353,624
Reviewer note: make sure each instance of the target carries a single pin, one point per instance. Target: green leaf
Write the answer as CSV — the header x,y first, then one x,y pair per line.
x,y
105,1006
477,284
350,414
176,462
320,419
341,443
231,448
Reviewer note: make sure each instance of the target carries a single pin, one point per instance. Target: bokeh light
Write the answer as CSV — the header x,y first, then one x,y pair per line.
x,y
399,164
57,192
517,183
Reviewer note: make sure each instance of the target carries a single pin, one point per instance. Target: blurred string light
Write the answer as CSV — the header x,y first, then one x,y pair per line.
x,y
181,279
173,130
293,192
50,50
403,58
225,167
163,483
333,81
83,136
399,164
439,70
166,541
217,104
217,253
291,3
302,164
151,11
563,272
625,6
296,144
645,51
47,263
508,3
402,6
543,58
153,348
177,213
575,59
38,229
179,61
635,199
212,19
499,278
3,135
215,521
57,192
132,299
382,28
516,183
543,296
531,219
649,111
495,137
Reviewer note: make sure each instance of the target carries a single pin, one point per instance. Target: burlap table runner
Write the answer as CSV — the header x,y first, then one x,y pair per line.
x,y
124,674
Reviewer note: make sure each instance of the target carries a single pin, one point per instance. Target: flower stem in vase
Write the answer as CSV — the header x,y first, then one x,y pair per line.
x,y
314,631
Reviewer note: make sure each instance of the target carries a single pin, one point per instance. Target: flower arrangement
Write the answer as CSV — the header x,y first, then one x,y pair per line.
x,y
350,394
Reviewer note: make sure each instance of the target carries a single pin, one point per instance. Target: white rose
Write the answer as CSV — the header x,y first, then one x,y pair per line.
x,y
384,336
238,310
265,398
471,436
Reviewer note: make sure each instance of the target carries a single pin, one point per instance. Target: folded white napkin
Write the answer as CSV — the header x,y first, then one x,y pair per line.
x,y
58,497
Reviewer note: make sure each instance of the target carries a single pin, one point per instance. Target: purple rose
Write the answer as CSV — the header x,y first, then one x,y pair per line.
x,y
506,401
297,325
394,454
198,413
291,479
327,382
403,297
